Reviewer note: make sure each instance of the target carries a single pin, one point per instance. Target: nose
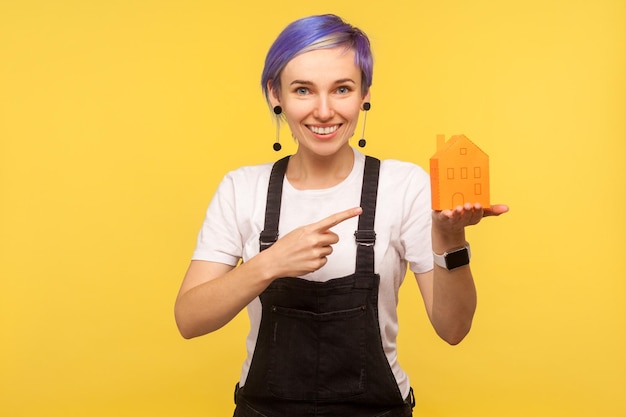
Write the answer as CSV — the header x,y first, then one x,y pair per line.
x,y
324,109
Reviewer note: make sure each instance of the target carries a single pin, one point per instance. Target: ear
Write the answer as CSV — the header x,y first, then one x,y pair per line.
x,y
366,98
272,94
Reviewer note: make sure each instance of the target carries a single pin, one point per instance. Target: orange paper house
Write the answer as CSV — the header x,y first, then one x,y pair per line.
x,y
459,173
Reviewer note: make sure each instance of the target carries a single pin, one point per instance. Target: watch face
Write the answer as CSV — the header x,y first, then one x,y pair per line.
x,y
457,258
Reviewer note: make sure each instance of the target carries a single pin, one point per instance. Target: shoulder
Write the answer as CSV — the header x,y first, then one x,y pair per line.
x,y
401,172
404,187
243,186
251,175
396,169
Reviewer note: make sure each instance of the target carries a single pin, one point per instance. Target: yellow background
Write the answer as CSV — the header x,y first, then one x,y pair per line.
x,y
118,119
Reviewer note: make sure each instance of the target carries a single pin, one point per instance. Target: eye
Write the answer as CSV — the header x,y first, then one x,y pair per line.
x,y
343,90
302,91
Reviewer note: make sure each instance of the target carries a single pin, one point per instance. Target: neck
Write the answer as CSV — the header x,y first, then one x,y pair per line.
x,y
307,171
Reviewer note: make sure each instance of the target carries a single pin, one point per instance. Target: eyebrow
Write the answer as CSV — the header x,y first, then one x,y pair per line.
x,y
340,81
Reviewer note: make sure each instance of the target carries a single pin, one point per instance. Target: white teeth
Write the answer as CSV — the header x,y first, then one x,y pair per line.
x,y
323,130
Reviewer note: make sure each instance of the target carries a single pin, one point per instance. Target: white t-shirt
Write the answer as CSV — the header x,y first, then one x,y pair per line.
x,y
236,215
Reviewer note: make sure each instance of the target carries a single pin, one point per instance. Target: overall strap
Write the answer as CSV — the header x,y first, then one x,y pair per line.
x,y
269,235
365,236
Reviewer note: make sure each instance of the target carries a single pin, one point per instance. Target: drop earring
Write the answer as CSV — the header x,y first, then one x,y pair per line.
x,y
366,107
277,111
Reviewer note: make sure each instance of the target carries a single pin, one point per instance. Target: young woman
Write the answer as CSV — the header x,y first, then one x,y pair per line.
x,y
325,236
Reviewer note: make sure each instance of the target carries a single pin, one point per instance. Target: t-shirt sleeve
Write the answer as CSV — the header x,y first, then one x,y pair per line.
x,y
416,225
219,239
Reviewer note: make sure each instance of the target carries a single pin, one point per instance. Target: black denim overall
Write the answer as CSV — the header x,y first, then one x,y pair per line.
x,y
319,350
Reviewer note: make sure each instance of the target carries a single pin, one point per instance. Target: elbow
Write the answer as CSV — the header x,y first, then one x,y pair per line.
x,y
455,338
184,330
184,324
454,334
190,327
188,331
453,326
185,333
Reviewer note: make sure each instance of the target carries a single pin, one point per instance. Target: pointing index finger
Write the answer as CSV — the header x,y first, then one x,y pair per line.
x,y
335,219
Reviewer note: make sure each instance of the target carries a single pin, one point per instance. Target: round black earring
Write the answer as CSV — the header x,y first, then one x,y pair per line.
x,y
277,111
366,107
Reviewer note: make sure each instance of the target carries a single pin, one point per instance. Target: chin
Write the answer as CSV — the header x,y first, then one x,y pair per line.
x,y
329,149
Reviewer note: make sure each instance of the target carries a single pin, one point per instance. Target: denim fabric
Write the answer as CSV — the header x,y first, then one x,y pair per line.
x,y
319,352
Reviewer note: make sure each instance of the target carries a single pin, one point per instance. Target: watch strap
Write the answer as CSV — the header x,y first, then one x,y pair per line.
x,y
453,259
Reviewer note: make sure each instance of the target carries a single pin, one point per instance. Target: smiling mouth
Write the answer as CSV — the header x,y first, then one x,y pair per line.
x,y
326,130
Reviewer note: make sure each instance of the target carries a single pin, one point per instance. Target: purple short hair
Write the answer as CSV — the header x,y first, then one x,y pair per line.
x,y
317,32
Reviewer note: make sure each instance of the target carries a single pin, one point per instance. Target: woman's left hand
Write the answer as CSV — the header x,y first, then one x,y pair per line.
x,y
450,295
457,219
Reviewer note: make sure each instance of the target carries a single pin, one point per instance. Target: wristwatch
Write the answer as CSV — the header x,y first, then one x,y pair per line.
x,y
454,259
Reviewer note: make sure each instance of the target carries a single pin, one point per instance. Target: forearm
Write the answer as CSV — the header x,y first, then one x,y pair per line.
x,y
454,293
212,294
208,306
450,296
454,303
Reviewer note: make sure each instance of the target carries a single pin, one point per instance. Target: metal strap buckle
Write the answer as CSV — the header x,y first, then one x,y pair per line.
x,y
365,237
268,238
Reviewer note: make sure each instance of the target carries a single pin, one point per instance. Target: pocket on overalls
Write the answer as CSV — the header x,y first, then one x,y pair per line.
x,y
317,356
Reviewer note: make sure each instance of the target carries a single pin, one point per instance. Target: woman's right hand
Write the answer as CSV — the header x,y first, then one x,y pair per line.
x,y
213,293
305,249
